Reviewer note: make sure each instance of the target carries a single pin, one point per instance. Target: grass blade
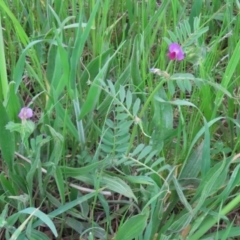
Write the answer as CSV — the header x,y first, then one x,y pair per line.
x,y
133,227
7,142
3,70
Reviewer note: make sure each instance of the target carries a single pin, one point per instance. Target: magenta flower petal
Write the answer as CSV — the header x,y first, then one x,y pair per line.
x,y
172,55
25,113
175,52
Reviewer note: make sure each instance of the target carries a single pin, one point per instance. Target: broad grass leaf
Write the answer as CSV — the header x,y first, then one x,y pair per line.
x,y
16,24
36,235
155,202
133,227
75,224
211,183
135,68
201,132
217,86
7,141
80,40
11,220
232,183
140,180
44,217
162,120
3,74
214,178
4,215
96,88
206,161
13,104
81,226
228,73
20,229
193,163
58,146
208,221
166,226
75,25
75,172
19,182
51,62
60,184
55,16
92,97
118,185
106,206
7,186
238,121
230,233
195,12
161,194
181,223
58,80
19,69
157,16
181,195
64,208
66,118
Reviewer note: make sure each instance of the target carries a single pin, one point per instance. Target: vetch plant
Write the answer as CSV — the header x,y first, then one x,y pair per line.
x,y
150,137
175,52
25,113
25,128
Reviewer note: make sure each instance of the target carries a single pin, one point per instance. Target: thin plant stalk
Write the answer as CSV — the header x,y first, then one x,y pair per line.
x,y
3,72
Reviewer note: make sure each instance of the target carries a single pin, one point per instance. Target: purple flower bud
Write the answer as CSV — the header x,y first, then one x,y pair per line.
x,y
175,52
25,113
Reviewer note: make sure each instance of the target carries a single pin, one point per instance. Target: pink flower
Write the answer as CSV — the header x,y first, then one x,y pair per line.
x,y
175,52
25,113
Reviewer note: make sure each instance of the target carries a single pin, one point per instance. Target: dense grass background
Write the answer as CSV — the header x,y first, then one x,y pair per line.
x,y
114,150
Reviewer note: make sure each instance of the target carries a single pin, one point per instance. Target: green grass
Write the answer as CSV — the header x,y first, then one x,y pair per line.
x,y
114,150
